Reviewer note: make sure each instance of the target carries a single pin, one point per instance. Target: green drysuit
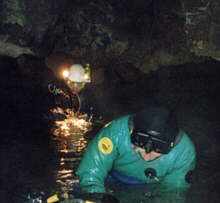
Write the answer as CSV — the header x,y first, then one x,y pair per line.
x,y
111,149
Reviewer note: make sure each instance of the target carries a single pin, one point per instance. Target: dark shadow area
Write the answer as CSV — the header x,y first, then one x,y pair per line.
x,y
24,142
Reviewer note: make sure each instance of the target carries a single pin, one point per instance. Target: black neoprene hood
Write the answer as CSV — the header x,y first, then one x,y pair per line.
x,y
157,121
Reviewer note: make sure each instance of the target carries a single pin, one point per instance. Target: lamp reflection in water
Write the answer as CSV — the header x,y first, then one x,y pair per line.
x,y
69,140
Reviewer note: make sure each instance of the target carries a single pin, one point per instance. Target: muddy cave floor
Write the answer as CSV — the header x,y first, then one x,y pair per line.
x,y
28,164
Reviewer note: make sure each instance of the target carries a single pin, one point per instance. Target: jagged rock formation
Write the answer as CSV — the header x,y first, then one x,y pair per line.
x,y
146,34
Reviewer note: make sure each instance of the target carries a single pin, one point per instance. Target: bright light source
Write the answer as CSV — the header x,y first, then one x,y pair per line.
x,y
65,73
87,77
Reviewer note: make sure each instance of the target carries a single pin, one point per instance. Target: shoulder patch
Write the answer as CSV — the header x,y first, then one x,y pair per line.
x,y
105,145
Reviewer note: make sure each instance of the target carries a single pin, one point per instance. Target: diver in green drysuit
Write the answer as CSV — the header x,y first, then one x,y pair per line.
x,y
116,148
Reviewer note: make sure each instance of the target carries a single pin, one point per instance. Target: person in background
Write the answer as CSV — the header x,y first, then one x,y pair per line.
x,y
142,148
77,76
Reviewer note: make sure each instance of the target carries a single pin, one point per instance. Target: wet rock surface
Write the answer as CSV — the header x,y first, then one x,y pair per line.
x,y
147,34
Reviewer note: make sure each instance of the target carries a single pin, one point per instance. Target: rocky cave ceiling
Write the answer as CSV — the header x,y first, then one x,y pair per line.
x,y
145,33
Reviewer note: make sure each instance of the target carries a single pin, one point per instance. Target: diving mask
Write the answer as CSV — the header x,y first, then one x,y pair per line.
x,y
150,142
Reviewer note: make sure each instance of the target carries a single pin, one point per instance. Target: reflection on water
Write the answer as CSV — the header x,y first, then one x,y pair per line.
x,y
69,141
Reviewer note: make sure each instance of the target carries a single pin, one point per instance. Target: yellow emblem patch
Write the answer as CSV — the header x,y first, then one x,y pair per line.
x,y
105,145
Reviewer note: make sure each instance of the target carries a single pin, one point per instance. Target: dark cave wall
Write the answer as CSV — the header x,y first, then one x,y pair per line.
x,y
147,34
